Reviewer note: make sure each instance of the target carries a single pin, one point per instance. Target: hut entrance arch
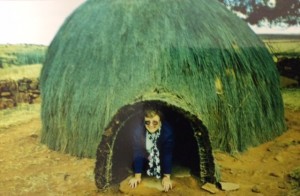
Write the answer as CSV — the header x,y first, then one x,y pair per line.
x,y
192,145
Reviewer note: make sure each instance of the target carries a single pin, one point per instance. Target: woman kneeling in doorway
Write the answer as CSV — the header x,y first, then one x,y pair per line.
x,y
153,143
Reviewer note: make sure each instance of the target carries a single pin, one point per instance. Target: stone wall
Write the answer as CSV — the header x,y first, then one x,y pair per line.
x,y
14,92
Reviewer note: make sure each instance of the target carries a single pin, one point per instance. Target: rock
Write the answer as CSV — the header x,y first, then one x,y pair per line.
x,y
295,142
34,84
282,185
7,103
23,87
66,176
35,92
278,158
33,95
274,148
33,135
210,188
256,189
228,186
257,172
275,174
5,94
264,160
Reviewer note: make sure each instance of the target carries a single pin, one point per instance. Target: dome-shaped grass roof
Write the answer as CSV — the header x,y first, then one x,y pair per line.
x,y
193,54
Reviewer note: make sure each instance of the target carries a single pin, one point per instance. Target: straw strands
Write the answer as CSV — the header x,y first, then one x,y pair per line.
x,y
193,54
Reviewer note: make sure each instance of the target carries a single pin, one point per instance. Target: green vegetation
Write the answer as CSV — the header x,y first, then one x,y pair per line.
x,y
21,54
23,113
291,98
19,72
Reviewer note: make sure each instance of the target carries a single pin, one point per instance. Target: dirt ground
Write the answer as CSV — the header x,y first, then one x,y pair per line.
x,y
30,168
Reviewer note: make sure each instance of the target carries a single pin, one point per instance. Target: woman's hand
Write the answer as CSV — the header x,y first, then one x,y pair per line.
x,y
133,182
166,182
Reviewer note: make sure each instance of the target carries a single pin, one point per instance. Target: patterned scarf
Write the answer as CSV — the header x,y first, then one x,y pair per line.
x,y
154,162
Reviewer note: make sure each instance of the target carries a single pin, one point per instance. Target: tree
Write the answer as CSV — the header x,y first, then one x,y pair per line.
x,y
274,11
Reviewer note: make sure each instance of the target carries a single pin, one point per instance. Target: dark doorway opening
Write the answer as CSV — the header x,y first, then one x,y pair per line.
x,y
185,154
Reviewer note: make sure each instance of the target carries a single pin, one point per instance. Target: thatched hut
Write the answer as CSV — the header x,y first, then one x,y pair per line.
x,y
199,62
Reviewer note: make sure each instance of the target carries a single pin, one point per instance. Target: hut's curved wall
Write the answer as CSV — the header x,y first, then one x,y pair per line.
x,y
111,53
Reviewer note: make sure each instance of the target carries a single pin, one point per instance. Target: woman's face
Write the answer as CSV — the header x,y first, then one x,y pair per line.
x,y
152,124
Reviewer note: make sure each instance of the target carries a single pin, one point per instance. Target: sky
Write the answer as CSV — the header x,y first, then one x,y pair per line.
x,y
33,21
37,21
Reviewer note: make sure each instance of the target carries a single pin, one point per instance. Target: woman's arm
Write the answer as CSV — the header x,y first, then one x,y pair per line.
x,y
167,149
167,156
138,150
138,156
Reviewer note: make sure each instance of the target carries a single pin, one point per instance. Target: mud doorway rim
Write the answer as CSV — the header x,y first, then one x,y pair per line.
x,y
104,172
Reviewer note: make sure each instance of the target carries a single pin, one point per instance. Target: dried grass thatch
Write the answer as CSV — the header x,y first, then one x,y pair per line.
x,y
192,54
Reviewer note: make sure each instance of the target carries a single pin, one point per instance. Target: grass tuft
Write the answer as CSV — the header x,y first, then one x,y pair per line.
x,y
21,114
291,98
